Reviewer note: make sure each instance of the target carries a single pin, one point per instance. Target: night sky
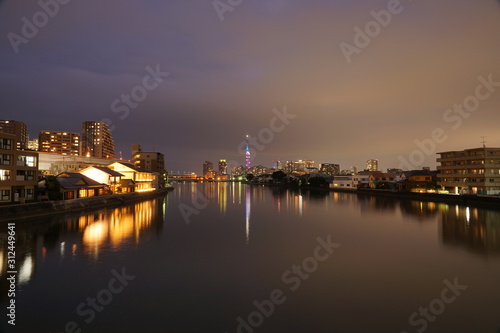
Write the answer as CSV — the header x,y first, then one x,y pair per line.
x,y
225,77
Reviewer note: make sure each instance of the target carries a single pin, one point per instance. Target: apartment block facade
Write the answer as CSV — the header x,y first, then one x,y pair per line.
x,y
470,171
18,171
96,140
64,143
19,129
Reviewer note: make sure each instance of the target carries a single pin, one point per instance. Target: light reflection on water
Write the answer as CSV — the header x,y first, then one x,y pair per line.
x,y
242,240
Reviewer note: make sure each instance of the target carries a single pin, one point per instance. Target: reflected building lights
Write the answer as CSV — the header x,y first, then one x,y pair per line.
x,y
222,196
301,205
473,228
119,226
26,270
61,249
247,213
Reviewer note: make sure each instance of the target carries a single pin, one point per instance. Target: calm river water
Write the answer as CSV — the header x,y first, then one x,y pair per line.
x,y
225,257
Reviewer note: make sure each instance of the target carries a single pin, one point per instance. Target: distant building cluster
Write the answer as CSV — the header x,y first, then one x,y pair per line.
x,y
85,165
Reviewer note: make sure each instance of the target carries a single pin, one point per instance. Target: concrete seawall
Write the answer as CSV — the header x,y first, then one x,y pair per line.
x,y
472,200
26,211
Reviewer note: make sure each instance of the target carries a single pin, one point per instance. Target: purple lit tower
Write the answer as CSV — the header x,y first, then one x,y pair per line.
x,y
247,156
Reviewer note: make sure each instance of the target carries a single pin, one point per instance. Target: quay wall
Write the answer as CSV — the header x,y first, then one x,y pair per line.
x,y
18,212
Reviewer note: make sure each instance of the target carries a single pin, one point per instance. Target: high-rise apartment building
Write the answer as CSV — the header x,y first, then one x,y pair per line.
x,y
64,143
19,129
329,169
208,170
96,140
300,166
372,165
223,167
472,171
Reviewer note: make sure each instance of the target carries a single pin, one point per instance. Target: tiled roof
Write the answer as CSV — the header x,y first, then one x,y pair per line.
x,y
75,180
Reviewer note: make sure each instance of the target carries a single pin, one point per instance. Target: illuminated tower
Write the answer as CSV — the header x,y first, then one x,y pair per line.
x,y
247,156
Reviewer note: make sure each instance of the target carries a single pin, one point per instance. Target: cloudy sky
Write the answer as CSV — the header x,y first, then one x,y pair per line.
x,y
355,96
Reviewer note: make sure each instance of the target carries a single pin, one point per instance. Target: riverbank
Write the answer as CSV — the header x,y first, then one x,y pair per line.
x,y
467,200
28,211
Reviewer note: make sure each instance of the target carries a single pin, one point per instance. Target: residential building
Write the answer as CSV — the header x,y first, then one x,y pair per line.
x,y
18,171
111,178
19,129
381,180
422,181
150,161
239,171
208,170
348,182
135,179
278,164
363,180
96,140
63,143
329,169
259,170
299,167
372,165
33,144
471,171
223,167
75,185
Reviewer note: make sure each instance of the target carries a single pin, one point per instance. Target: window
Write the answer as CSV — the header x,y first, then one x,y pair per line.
x,y
29,193
29,161
30,175
4,175
5,195
5,159
5,144
21,175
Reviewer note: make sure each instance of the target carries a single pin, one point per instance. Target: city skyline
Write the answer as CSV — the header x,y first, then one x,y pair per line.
x,y
197,84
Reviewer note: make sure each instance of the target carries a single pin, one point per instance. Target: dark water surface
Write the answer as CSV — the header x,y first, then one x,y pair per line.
x,y
224,257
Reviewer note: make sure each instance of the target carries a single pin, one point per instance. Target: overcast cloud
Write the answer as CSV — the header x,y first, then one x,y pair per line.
x,y
225,78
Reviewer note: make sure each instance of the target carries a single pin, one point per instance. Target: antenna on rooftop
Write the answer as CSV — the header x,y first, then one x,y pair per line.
x,y
484,141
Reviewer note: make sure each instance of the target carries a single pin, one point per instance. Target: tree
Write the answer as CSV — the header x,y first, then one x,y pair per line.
x,y
278,176
250,176
317,181
53,188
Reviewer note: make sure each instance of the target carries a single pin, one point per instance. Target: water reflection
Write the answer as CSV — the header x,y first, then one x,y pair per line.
x,y
420,210
67,236
121,226
473,228
247,213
